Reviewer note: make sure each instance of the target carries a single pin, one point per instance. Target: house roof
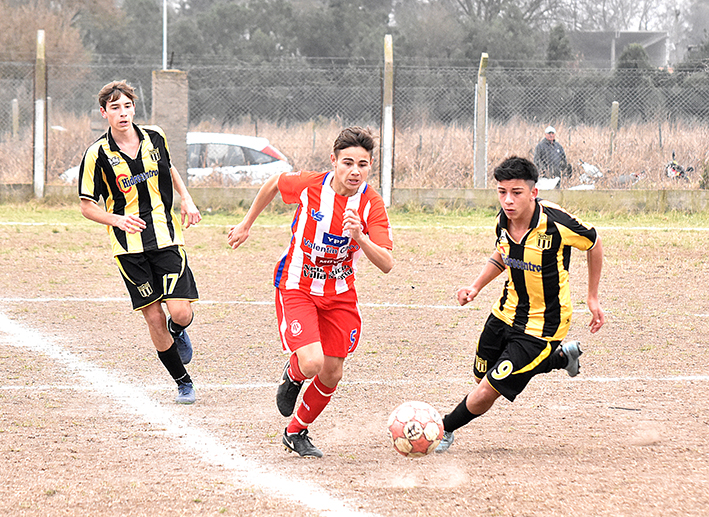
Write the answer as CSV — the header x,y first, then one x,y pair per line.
x,y
600,49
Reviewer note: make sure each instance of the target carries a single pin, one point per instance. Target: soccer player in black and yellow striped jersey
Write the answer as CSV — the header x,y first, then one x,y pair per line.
x,y
522,336
129,167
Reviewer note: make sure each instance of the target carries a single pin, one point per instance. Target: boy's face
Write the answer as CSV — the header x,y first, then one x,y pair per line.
x,y
351,166
119,113
517,199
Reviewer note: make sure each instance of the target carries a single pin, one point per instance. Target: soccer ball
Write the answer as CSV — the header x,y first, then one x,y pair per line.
x,y
415,429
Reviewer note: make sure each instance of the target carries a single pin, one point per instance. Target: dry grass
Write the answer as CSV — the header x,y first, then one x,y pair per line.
x,y
429,156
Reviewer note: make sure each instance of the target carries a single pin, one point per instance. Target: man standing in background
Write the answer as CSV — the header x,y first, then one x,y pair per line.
x,y
550,158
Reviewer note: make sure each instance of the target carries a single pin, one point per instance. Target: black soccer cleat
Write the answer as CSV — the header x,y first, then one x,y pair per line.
x,y
287,393
300,442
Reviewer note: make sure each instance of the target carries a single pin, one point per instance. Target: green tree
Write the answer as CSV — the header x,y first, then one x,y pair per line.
x,y
633,86
634,57
506,39
343,29
559,47
428,30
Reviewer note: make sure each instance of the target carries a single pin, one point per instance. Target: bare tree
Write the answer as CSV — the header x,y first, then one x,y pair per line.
x,y
534,12
615,15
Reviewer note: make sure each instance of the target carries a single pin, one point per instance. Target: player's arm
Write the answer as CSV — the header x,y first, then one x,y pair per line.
x,y
239,233
128,223
490,271
188,209
594,257
377,255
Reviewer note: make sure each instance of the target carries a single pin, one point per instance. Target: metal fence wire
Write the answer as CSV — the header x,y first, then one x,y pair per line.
x,y
294,92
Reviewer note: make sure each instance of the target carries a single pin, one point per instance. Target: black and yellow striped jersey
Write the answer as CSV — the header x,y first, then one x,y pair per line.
x,y
141,186
536,297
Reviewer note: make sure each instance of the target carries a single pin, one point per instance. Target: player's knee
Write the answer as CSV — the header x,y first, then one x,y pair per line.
x,y
181,314
311,365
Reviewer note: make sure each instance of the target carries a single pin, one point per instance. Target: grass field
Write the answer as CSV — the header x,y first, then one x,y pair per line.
x,y
89,427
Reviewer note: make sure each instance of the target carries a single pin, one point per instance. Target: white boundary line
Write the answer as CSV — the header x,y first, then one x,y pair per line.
x,y
134,400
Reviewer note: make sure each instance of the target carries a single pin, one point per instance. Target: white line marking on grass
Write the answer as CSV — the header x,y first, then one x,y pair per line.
x,y
134,400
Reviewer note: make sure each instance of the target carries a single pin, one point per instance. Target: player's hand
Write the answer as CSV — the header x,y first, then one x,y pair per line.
x,y
131,223
190,212
237,235
466,294
598,319
352,223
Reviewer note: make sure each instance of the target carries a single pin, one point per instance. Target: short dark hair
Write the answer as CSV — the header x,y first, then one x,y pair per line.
x,y
516,168
112,91
354,136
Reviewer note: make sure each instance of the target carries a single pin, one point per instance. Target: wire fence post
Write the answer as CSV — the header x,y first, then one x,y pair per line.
x,y
480,136
615,107
15,119
40,118
387,129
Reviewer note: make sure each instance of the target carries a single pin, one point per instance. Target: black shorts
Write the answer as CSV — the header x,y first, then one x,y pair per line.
x,y
162,274
510,358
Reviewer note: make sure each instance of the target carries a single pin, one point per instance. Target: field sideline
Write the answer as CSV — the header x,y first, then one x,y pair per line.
x,y
88,426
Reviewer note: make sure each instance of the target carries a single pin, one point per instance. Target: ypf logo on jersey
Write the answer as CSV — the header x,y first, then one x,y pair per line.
x,y
544,241
154,154
336,241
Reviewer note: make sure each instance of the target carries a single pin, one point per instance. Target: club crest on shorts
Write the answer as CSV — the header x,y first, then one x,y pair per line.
x,y
145,290
544,241
154,154
295,327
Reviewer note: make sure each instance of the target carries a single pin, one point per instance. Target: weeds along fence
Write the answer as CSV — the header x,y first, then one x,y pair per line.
x,y
301,105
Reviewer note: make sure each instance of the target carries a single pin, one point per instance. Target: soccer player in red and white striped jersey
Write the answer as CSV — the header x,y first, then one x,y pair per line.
x,y
339,218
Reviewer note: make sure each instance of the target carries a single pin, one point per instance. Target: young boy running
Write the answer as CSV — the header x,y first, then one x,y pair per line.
x,y
338,218
521,337
129,167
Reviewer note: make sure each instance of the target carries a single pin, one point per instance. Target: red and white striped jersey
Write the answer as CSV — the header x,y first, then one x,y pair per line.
x,y
321,258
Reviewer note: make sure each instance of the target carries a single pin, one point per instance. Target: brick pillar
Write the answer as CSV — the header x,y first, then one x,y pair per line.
x,y
171,113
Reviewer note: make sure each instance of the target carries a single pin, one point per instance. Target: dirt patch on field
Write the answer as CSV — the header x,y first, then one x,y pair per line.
x,y
626,437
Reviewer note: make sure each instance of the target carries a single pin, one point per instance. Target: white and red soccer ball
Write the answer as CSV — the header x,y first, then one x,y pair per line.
x,y
415,429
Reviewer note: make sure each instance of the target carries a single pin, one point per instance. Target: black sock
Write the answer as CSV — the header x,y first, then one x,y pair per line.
x,y
458,417
171,360
175,329
557,360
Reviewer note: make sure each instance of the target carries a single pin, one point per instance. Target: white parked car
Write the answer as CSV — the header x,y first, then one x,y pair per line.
x,y
224,158
235,158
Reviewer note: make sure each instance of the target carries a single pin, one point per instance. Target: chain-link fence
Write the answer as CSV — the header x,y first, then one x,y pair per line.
x,y
16,109
300,106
